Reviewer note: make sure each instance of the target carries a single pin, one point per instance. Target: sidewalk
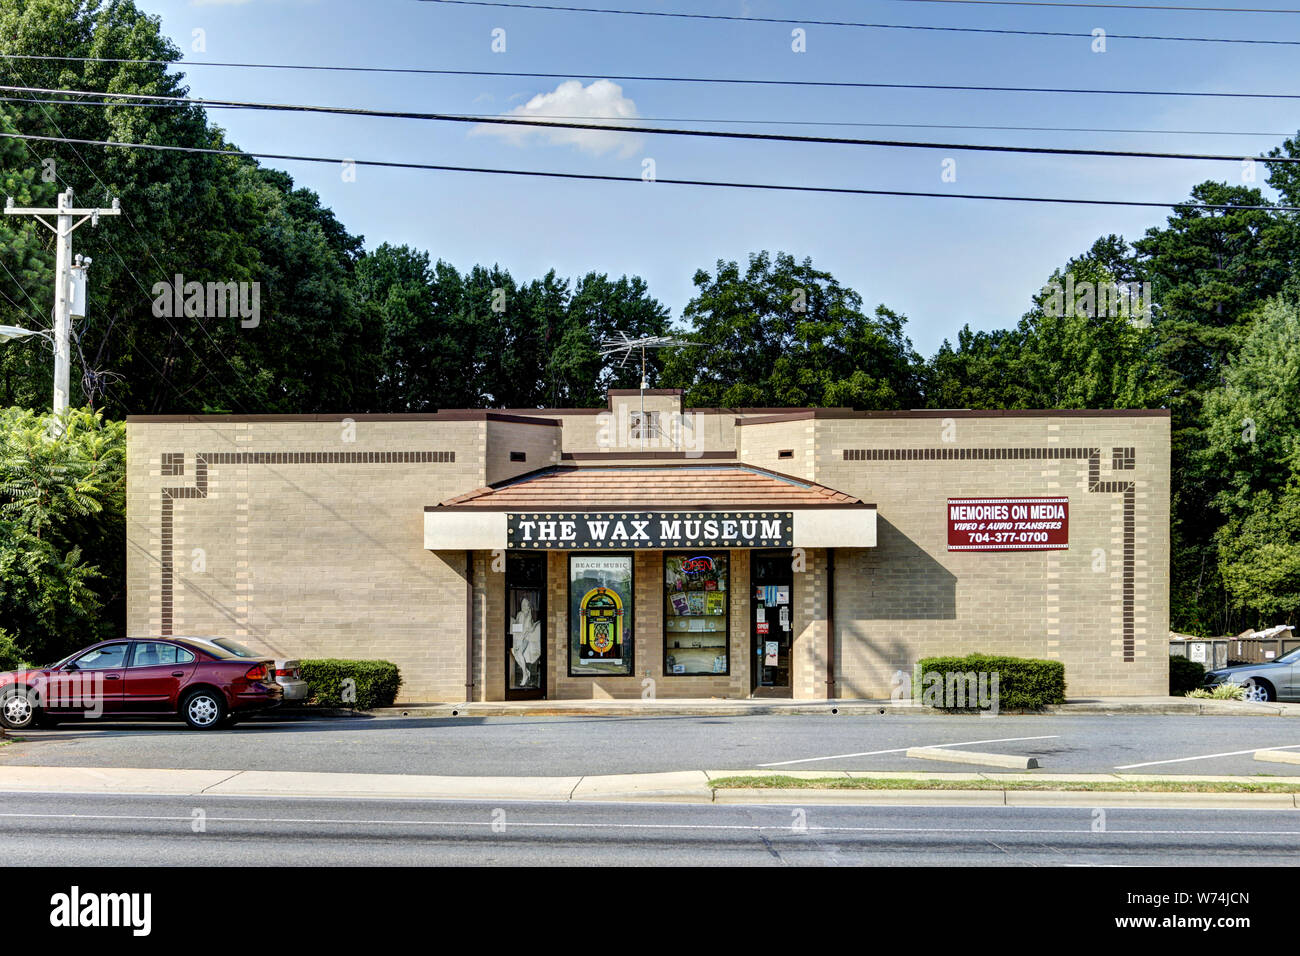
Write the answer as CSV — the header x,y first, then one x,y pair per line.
x,y
846,707
687,786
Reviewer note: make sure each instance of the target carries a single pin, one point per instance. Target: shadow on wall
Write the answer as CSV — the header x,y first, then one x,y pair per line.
x,y
883,596
901,582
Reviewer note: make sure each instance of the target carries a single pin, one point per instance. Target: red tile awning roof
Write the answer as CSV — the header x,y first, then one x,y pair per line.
x,y
653,488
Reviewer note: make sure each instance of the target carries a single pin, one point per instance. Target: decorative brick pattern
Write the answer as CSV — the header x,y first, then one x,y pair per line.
x,y
1122,458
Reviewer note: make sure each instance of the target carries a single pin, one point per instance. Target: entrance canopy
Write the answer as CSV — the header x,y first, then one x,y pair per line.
x,y
648,506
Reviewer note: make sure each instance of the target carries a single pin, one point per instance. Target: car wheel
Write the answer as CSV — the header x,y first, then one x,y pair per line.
x,y
18,709
1257,690
204,709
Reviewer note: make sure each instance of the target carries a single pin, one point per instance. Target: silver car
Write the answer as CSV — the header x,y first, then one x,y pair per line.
x,y
288,673
1273,680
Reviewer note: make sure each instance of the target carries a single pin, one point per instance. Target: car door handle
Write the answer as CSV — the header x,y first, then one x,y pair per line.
x,y
178,673
112,677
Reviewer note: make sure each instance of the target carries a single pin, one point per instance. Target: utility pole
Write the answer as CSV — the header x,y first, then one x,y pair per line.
x,y
63,278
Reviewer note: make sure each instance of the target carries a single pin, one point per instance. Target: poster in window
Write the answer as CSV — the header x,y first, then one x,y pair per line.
x,y
600,614
695,613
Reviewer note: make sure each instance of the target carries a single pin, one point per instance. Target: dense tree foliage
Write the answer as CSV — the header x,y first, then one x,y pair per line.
x,y
784,333
62,531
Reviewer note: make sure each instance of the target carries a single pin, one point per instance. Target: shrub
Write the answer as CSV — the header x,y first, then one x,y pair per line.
x,y
1184,675
12,657
375,683
1225,691
1023,683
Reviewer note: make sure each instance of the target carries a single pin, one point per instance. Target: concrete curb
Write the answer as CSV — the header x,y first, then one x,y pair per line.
x,y
1278,756
686,786
1167,706
1011,798
1010,761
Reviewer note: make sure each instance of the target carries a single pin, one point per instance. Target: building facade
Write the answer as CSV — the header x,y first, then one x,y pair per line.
x,y
643,549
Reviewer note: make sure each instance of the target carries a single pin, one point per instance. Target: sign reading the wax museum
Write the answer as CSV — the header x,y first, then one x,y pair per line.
x,y
1008,524
651,529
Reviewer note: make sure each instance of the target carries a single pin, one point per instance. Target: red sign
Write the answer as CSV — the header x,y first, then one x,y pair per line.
x,y
1008,524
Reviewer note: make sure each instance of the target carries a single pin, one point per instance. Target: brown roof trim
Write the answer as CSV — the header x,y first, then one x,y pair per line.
x,y
450,415
553,411
801,415
647,455
804,414
276,417
521,420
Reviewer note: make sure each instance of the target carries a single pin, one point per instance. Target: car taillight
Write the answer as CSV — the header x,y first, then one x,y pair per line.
x,y
256,672
287,672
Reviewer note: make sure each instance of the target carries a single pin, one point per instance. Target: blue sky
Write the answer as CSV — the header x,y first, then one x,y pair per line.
x,y
940,262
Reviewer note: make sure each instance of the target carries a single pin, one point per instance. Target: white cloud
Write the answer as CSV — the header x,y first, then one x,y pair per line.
x,y
602,101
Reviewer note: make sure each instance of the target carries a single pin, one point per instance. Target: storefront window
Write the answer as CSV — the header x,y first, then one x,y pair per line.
x,y
600,614
696,586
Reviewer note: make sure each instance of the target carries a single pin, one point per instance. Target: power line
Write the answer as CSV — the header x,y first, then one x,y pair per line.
x,y
741,81
598,177
1001,31
162,377
757,121
650,130
209,104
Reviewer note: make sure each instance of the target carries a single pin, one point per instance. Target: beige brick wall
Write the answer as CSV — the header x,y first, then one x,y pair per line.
x,y
319,552
909,597
540,445
308,557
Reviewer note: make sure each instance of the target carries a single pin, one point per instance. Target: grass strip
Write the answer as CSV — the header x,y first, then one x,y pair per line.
x,y
781,782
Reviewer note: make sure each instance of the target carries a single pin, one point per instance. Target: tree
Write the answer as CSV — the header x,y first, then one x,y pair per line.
x,y
784,333
62,526
1085,343
1253,442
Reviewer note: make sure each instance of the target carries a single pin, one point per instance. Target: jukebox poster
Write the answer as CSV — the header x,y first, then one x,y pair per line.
x,y
600,614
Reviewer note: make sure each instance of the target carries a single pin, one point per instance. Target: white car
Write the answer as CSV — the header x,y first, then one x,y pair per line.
x,y
287,672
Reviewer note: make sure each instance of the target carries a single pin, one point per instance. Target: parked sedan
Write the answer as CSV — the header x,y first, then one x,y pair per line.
x,y
204,685
288,673
1271,680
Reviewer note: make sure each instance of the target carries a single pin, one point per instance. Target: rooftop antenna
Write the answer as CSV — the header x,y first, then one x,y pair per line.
x,y
625,345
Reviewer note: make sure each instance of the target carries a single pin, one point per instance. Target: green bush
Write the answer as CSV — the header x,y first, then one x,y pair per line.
x,y
1023,683
1184,675
12,657
375,682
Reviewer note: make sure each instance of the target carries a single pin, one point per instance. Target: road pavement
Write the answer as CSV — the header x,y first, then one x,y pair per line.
x,y
109,830
558,746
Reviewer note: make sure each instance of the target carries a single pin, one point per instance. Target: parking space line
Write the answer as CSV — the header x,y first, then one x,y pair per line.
x,y
900,750
1231,753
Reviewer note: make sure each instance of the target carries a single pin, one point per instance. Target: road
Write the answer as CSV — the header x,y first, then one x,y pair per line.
x,y
546,746
111,830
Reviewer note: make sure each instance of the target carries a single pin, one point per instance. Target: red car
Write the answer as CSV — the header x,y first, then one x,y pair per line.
x,y
206,685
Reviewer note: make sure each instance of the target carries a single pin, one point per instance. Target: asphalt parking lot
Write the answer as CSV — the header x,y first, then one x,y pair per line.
x,y
591,745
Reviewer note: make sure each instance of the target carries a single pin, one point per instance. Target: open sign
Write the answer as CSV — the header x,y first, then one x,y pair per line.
x,y
700,565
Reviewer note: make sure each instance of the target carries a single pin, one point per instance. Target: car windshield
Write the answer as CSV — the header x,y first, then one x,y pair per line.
x,y
1290,657
239,650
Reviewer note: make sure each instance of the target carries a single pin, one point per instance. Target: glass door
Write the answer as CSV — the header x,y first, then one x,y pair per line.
x,y
771,625
525,626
